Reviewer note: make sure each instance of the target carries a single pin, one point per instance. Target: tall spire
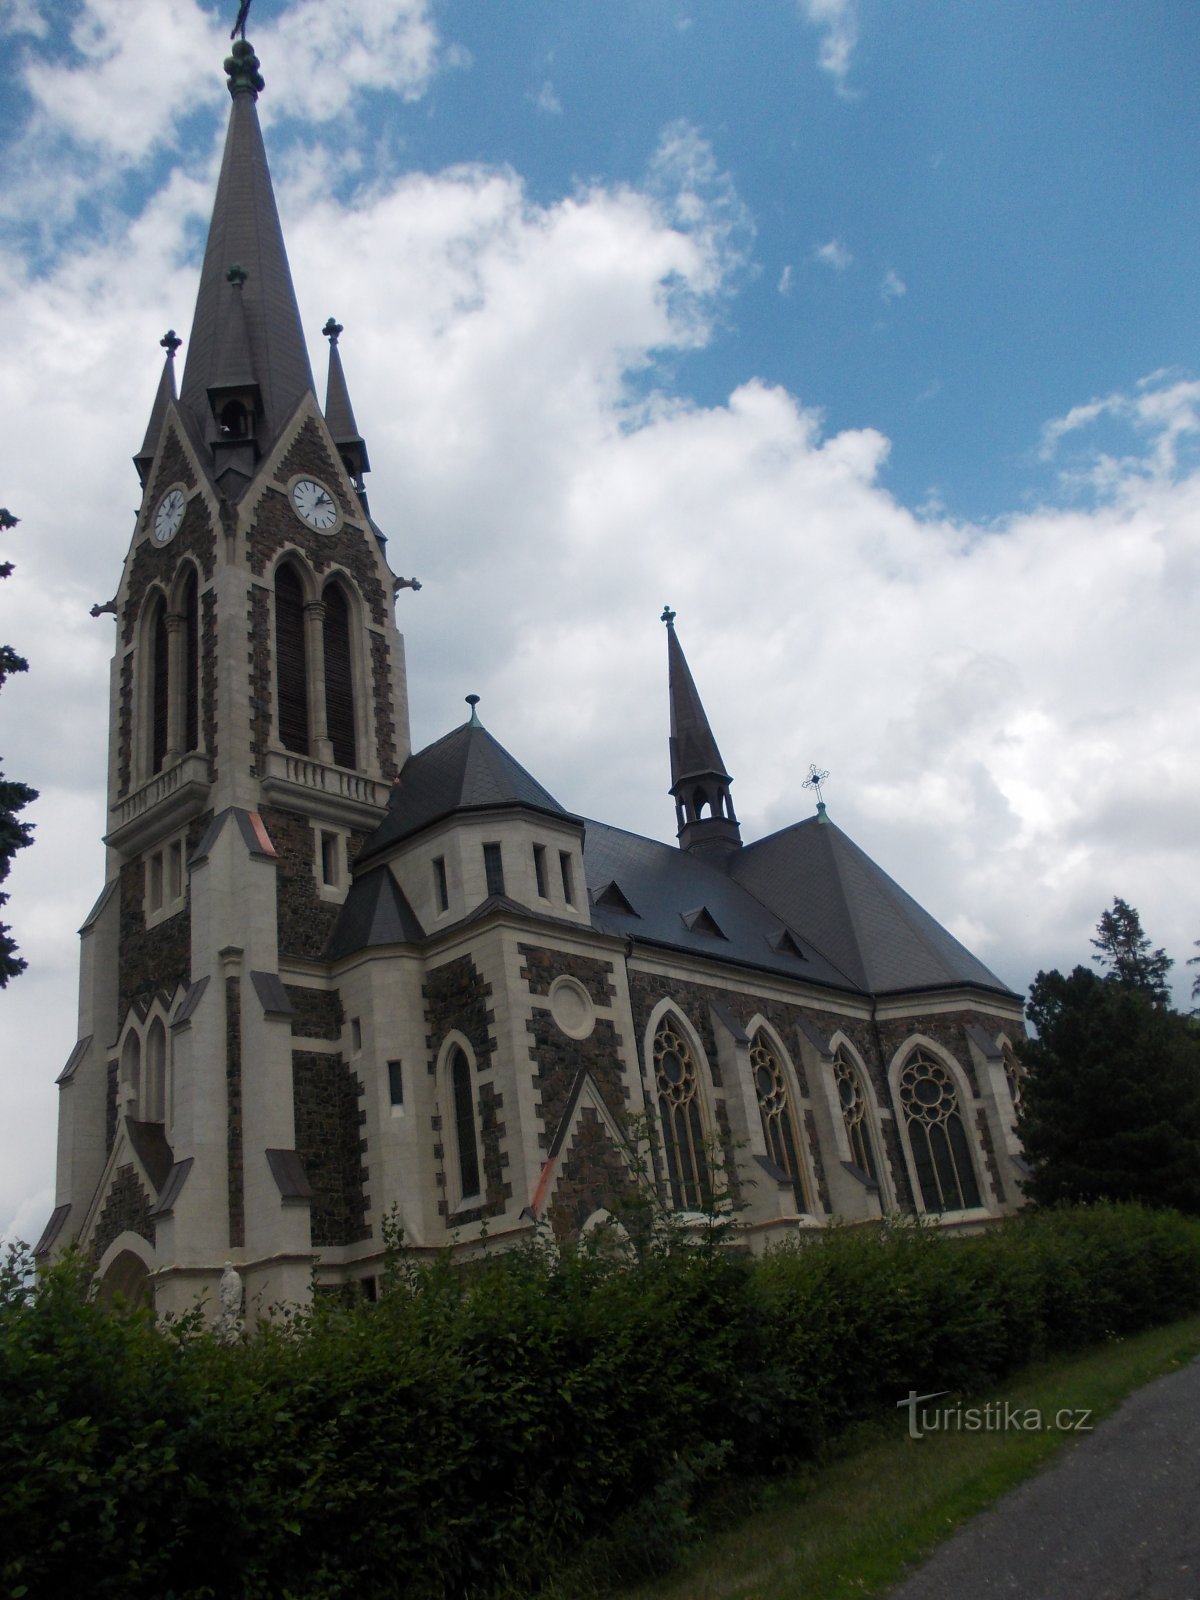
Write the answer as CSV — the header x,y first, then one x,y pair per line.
x,y
699,781
246,319
144,459
339,413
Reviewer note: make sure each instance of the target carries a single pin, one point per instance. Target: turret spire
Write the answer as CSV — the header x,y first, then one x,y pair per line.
x,y
339,413
247,346
144,459
699,781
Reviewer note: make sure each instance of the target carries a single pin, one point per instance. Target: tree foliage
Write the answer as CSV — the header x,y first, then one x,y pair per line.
x,y
14,797
1125,953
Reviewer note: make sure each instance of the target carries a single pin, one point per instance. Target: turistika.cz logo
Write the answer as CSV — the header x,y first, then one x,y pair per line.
x,y
996,1416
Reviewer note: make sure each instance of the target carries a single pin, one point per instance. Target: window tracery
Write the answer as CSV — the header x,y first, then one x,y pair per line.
x,y
775,1109
937,1135
677,1087
853,1101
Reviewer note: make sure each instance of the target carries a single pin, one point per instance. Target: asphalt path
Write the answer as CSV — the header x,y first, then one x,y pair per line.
x,y
1115,1518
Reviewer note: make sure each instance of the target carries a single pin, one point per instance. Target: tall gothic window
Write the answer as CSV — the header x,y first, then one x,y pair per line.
x,y
339,682
291,659
154,1106
854,1114
937,1135
191,662
464,1123
678,1089
160,696
775,1109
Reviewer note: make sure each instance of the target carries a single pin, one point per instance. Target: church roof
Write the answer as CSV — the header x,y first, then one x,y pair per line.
x,y
689,902
468,770
245,232
694,750
818,881
375,912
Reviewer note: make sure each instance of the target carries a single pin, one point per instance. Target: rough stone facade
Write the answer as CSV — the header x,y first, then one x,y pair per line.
x,y
208,679
385,710
153,960
456,998
542,966
329,1140
317,1012
127,1210
258,632
557,1060
112,1076
593,1176
305,920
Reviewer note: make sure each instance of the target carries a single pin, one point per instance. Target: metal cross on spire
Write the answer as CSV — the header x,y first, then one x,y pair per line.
x,y
816,777
239,27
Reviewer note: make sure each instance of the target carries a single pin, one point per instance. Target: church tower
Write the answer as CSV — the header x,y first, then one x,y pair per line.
x,y
258,718
699,781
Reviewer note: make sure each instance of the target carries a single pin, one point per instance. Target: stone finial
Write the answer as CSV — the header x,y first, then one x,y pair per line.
x,y
236,276
241,67
473,700
668,616
331,330
170,342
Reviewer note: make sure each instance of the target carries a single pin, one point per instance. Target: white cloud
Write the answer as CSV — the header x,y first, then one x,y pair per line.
x,y
838,22
893,286
22,16
784,286
547,100
1164,410
833,254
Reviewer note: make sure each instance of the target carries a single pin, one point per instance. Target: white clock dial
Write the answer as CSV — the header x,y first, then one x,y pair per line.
x,y
169,515
314,504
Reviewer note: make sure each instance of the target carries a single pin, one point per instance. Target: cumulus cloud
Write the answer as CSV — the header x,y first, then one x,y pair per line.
x,y
547,100
1158,425
837,21
833,254
893,286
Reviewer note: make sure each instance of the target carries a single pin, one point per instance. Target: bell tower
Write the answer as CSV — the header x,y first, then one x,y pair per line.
x,y
258,715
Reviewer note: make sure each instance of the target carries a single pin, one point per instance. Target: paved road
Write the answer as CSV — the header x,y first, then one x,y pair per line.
x,y
1117,1518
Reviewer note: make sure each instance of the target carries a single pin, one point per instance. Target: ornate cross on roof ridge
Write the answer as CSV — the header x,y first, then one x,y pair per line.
x,y
816,777
239,27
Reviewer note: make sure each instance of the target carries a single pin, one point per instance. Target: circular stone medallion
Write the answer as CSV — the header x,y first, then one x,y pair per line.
x,y
571,1007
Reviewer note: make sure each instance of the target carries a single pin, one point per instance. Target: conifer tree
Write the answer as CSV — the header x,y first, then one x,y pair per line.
x,y
1125,953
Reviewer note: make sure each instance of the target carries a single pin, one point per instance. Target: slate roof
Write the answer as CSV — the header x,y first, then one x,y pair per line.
x,y
245,232
468,770
339,413
818,881
666,886
694,750
374,912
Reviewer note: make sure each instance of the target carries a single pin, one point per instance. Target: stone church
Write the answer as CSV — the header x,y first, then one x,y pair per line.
x,y
332,981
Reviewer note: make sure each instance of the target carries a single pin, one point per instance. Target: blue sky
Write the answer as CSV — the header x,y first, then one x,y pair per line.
x,y
864,334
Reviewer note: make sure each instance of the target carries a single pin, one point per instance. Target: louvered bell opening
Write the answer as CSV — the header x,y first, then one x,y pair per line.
x,y
191,664
161,695
291,667
339,682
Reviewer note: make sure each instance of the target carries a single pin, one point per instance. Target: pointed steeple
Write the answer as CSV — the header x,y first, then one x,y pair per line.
x,y
247,346
144,459
699,781
339,413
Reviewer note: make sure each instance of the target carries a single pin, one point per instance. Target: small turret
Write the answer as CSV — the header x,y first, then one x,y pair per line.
x,y
144,459
339,414
699,781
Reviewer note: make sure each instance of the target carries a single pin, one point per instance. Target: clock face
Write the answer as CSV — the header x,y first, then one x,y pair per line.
x,y
314,505
169,515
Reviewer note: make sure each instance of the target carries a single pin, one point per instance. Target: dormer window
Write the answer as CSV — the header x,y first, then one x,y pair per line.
x,y
234,420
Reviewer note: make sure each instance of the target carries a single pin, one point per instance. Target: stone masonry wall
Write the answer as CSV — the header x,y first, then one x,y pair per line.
x,y
158,959
385,709
305,920
329,1122
318,1012
592,1175
235,1177
127,1210
456,1000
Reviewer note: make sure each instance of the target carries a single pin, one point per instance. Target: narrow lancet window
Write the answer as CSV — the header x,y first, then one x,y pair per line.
x,y
291,670
678,1087
464,1124
339,680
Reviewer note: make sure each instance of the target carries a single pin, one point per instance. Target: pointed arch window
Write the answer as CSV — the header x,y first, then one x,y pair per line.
x,y
339,678
160,692
466,1139
854,1114
191,661
678,1089
291,661
937,1135
154,1100
775,1109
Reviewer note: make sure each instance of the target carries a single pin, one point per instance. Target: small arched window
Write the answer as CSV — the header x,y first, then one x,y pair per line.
x,y
154,1101
131,1072
678,1089
466,1140
854,1114
160,690
339,679
291,661
775,1109
937,1135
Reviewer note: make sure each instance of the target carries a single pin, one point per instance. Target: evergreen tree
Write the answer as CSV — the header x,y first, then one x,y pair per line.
x,y
14,797
1111,1102
1125,953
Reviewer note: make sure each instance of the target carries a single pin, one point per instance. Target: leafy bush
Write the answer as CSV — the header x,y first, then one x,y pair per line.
x,y
473,1429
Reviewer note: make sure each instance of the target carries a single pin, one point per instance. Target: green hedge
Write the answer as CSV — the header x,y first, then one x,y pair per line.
x,y
474,1428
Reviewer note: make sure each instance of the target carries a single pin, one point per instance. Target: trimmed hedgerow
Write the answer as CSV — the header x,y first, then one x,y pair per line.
x,y
474,1428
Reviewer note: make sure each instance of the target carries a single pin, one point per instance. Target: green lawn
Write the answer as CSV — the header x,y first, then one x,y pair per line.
x,y
849,1526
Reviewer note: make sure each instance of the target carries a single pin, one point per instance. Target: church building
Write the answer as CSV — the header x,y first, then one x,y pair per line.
x,y
332,982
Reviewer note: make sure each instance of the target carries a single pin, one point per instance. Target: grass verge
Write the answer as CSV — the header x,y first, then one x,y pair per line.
x,y
849,1525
